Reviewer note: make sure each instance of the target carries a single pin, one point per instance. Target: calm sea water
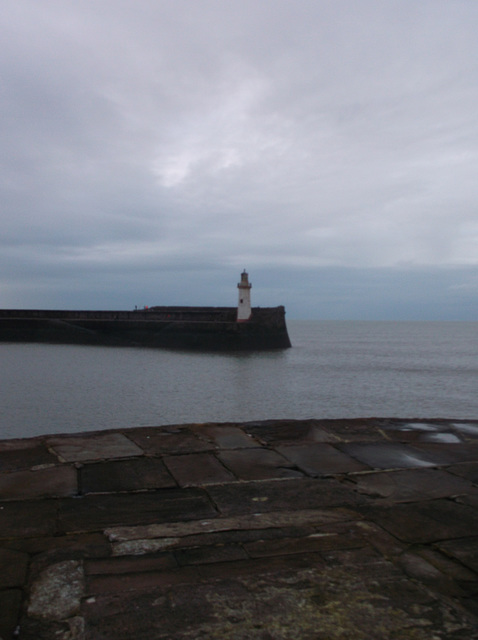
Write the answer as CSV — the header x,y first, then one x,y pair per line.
x,y
334,370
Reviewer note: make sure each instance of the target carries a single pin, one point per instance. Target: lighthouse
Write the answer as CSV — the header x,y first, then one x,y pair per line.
x,y
244,304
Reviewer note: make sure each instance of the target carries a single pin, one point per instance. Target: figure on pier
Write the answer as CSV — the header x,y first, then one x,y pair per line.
x,y
244,305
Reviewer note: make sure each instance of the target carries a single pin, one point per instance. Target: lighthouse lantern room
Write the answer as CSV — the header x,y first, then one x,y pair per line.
x,y
244,304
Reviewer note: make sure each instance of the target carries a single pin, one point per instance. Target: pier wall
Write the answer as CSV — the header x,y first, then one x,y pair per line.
x,y
212,328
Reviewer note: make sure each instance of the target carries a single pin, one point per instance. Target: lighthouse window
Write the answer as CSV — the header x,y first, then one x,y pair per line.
x,y
242,300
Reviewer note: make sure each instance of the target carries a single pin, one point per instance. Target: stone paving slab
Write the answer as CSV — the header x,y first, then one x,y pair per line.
x,y
258,464
98,512
15,457
412,485
389,455
41,483
197,469
161,441
426,521
95,447
315,529
321,459
125,475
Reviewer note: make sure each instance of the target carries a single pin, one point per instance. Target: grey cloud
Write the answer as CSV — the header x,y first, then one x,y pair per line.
x,y
142,139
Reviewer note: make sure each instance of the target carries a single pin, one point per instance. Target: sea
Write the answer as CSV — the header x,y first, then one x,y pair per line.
x,y
337,369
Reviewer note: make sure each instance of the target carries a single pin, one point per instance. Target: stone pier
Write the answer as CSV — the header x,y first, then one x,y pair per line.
x,y
308,530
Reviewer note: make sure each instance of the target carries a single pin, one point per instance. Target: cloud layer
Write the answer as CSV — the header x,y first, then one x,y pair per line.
x,y
151,150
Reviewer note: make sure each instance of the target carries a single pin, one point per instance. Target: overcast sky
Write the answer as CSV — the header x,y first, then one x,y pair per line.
x,y
153,149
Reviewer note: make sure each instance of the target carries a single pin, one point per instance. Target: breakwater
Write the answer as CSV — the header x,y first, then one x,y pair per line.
x,y
210,328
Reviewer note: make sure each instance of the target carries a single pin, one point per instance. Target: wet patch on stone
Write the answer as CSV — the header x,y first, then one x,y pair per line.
x,y
288,432
388,455
321,459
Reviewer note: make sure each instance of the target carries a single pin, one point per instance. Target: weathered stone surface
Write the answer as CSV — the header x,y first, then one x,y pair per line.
x,y
411,485
13,568
88,544
98,512
427,521
281,495
225,436
10,603
94,447
289,603
468,430
327,538
197,469
258,464
28,518
164,440
113,566
465,550
51,482
419,568
13,457
204,554
355,430
257,521
384,555
140,581
280,432
125,475
468,470
390,455
321,459
443,454
56,593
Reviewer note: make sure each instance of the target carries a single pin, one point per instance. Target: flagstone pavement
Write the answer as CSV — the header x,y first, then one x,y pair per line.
x,y
273,530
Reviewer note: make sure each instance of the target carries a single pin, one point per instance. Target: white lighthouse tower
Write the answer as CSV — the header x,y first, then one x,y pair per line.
x,y
244,305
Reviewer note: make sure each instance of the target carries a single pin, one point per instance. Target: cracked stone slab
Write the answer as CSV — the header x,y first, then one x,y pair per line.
x,y
94,447
51,482
321,459
468,470
464,550
258,464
